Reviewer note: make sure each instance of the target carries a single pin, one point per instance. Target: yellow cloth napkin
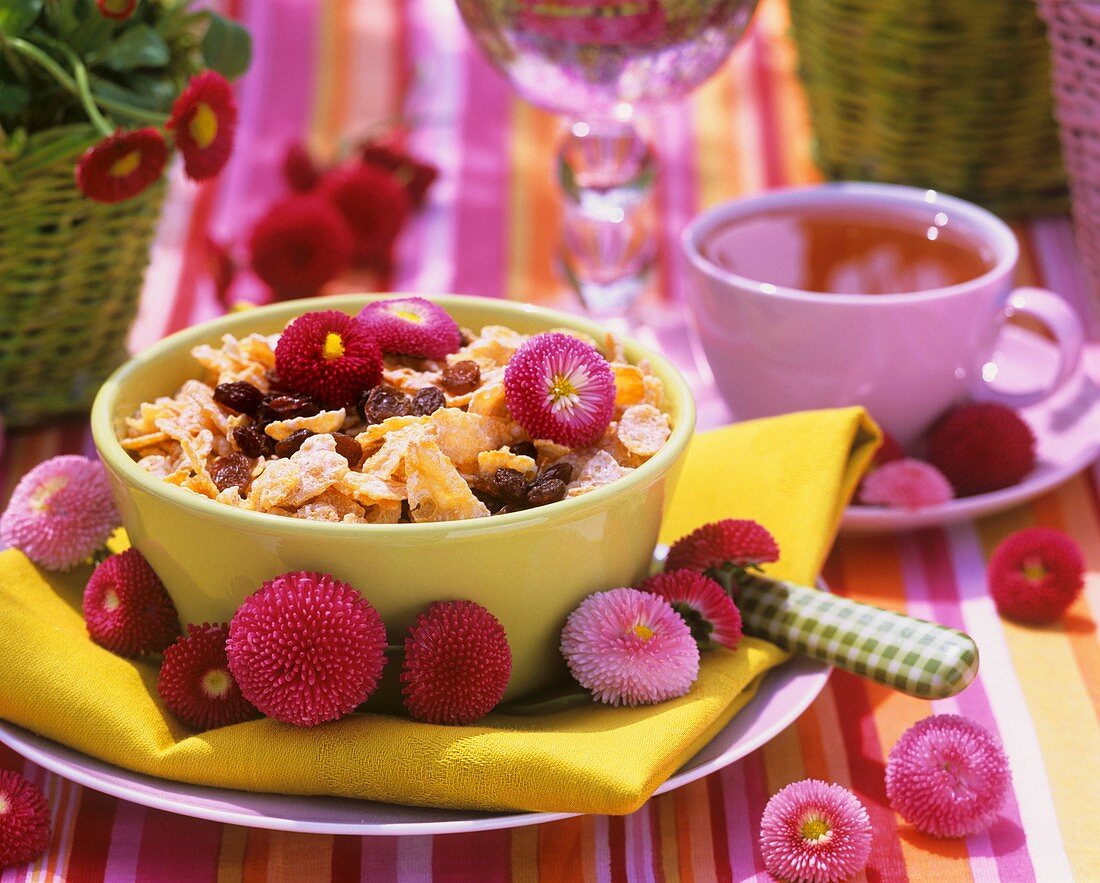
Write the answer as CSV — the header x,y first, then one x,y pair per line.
x,y
794,474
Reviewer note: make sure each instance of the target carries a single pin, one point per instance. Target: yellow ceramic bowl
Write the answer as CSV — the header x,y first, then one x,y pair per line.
x,y
529,568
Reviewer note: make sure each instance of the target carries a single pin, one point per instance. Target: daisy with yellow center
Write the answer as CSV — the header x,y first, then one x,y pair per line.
x,y
204,120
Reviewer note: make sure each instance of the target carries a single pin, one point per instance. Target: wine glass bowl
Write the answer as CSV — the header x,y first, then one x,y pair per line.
x,y
597,62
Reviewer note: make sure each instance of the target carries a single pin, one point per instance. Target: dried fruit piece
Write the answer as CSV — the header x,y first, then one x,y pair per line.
x,y
348,448
252,441
239,396
561,470
510,485
461,377
525,449
428,400
232,470
289,446
381,403
286,406
545,491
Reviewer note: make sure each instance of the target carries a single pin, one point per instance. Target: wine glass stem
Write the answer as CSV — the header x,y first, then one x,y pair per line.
x,y
606,173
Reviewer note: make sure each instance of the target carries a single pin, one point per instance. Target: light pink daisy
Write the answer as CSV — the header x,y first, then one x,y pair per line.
x,y
709,612
906,484
61,512
630,648
816,832
947,776
560,388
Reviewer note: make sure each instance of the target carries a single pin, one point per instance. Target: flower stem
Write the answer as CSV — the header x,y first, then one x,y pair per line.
x,y
78,85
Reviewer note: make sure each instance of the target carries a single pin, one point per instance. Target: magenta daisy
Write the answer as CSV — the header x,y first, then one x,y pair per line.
x,y
61,512
560,388
947,776
24,820
630,648
906,484
306,648
815,831
724,550
412,326
709,612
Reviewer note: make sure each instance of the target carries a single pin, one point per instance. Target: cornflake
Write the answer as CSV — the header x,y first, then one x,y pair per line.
x,y
417,468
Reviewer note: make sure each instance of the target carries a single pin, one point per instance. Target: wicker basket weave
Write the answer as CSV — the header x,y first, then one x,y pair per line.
x,y
953,96
71,272
1074,28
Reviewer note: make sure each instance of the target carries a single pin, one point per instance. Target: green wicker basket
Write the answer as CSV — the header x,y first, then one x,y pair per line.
x,y
953,96
71,272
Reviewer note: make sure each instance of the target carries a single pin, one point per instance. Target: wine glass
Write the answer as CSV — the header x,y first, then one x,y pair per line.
x,y
598,62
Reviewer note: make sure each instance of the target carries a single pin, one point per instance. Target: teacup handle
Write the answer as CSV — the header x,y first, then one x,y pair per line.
x,y
1063,323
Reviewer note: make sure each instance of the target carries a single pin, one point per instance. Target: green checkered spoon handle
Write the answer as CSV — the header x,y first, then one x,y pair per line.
x,y
919,658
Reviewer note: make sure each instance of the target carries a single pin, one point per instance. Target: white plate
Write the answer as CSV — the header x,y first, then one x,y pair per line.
x,y
784,694
1066,427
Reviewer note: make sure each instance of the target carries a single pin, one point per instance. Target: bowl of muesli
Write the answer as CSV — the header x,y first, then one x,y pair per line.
x,y
519,457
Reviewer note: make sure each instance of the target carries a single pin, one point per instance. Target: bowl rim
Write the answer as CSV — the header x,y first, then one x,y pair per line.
x,y
119,461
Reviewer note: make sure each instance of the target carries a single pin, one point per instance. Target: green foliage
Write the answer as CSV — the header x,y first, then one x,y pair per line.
x,y
134,68
227,47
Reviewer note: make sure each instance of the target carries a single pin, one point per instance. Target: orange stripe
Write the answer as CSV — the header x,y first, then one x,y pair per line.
x,y
256,852
1059,706
299,857
524,858
873,574
231,857
535,207
1073,505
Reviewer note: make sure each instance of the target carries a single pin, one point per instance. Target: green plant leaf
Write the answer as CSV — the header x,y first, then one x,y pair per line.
x,y
139,46
13,98
226,47
147,92
18,15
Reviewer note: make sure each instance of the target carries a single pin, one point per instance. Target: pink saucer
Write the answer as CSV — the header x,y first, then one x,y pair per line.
x,y
1066,427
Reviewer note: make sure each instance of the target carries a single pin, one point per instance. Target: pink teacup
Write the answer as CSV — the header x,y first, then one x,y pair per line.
x,y
906,357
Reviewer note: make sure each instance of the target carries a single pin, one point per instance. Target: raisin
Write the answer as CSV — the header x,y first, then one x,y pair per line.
x,y
381,403
492,503
563,472
525,449
286,406
232,470
510,484
428,400
545,491
406,513
253,441
348,448
240,396
461,378
289,445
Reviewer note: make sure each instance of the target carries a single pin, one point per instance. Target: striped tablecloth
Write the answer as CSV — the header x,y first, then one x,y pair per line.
x,y
330,69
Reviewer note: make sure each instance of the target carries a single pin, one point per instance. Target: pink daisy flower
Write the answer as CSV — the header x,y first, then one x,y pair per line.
x,y
947,776
729,543
412,326
704,605
906,484
560,388
61,512
815,831
629,648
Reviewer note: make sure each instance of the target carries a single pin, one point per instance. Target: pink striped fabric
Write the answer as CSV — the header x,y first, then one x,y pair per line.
x,y
328,69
